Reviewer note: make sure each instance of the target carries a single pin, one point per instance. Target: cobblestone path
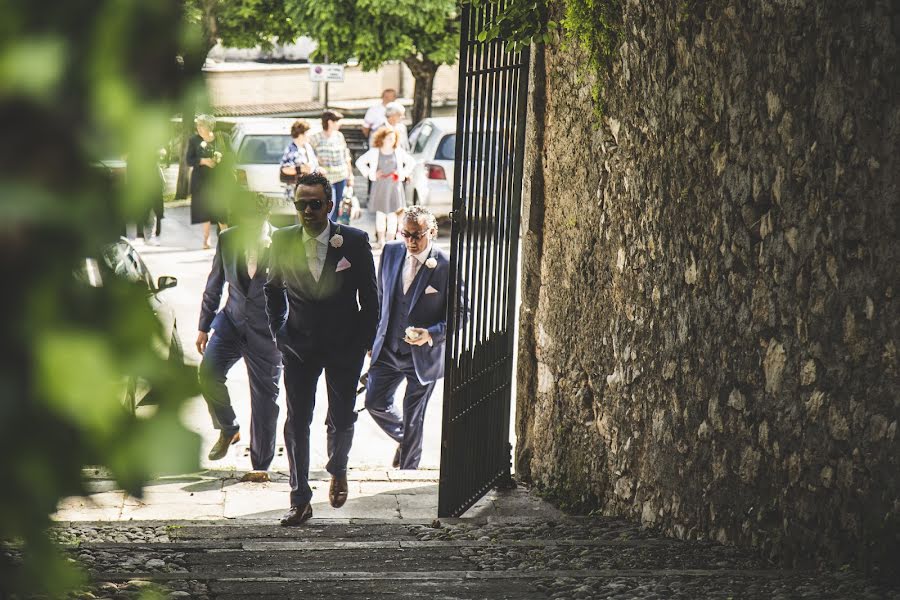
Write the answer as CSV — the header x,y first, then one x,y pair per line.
x,y
503,558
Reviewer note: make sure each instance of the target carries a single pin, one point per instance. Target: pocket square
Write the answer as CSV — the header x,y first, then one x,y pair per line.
x,y
430,290
342,265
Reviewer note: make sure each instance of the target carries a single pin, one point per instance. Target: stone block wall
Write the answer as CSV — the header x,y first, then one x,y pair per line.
x,y
709,320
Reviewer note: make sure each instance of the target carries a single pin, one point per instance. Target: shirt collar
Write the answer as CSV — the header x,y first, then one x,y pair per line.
x,y
423,255
322,238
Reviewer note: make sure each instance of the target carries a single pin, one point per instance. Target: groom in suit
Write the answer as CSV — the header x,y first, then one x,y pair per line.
x,y
240,330
412,289
322,302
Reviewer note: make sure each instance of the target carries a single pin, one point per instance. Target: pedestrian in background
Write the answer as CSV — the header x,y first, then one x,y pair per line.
x,y
394,113
298,159
205,153
387,166
375,117
333,155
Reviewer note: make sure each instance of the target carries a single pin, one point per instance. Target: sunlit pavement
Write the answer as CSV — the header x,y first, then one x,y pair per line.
x,y
217,493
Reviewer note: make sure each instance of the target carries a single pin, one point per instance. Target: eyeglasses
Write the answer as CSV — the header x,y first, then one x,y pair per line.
x,y
301,205
413,236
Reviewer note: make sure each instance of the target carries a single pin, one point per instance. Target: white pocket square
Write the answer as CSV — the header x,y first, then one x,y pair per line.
x,y
342,265
430,290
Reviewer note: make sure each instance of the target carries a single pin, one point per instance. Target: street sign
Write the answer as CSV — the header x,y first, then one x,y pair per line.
x,y
331,73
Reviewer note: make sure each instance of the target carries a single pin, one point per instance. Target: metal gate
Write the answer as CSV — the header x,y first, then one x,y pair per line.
x,y
487,190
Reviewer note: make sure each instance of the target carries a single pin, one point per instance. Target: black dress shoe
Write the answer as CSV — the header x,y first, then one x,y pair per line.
x,y
396,461
337,493
297,515
220,448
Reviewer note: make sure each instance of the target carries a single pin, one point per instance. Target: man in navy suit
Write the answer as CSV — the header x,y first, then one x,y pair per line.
x,y
322,302
412,289
241,330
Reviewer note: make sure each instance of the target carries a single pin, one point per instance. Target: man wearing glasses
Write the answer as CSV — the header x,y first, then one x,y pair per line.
x,y
322,303
412,288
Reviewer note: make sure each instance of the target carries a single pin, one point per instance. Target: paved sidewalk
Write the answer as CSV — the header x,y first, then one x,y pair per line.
x,y
215,495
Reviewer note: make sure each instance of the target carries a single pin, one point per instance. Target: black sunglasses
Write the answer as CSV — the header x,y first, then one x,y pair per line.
x,y
412,236
301,205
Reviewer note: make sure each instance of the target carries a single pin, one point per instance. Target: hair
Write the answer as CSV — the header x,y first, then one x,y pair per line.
x,y
330,115
382,133
386,91
312,180
299,128
394,108
207,121
417,212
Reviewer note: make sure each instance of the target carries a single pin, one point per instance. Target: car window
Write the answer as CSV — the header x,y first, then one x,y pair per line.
x,y
421,140
263,149
124,262
446,149
480,147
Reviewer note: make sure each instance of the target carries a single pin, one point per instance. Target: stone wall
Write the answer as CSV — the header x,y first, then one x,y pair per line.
x,y
710,277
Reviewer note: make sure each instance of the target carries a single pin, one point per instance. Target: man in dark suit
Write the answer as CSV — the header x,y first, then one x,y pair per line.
x,y
412,289
241,330
322,302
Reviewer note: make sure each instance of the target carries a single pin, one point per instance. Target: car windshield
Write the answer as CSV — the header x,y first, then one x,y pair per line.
x,y
446,150
263,149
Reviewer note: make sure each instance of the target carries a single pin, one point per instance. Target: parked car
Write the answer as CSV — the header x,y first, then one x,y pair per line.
x,y
121,260
433,146
259,145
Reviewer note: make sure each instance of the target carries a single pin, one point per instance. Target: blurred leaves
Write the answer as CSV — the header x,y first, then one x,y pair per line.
x,y
83,87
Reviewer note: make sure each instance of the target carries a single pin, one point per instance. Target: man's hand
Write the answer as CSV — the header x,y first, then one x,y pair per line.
x,y
416,336
202,340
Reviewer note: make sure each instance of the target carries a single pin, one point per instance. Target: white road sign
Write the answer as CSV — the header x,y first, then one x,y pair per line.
x,y
332,73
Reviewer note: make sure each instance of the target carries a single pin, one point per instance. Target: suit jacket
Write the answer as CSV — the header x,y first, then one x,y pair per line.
x,y
426,310
333,319
246,304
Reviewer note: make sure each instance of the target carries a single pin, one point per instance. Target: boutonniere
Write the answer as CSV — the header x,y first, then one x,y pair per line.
x,y
431,263
203,145
337,240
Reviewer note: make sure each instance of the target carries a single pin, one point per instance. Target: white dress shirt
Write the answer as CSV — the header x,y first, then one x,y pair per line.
x,y
316,249
411,266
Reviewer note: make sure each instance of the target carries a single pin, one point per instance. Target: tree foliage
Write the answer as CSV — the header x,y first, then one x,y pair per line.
x,y
424,34
78,83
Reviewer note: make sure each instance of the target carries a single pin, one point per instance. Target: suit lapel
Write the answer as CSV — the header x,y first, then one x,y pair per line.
x,y
392,271
331,256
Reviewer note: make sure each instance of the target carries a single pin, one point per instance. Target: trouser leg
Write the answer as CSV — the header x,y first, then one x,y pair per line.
x,y
337,194
384,379
222,351
415,401
300,381
264,373
341,418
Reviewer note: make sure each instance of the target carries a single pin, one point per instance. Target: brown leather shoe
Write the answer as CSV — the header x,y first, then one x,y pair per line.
x,y
220,448
297,515
396,462
337,493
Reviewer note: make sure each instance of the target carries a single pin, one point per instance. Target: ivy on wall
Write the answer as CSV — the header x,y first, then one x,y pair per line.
x,y
593,25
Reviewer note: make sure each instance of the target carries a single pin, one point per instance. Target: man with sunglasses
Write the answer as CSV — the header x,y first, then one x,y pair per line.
x,y
412,288
322,303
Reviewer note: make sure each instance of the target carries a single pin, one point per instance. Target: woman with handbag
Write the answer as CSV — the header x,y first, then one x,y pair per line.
x,y
387,166
298,159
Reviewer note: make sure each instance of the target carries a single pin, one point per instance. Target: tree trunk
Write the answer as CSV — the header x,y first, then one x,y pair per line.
x,y
423,72
193,65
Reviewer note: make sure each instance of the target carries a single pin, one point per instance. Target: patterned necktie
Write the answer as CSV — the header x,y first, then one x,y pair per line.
x,y
312,257
251,263
409,273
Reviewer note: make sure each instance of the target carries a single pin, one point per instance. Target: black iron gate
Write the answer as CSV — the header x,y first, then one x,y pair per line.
x,y
487,190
